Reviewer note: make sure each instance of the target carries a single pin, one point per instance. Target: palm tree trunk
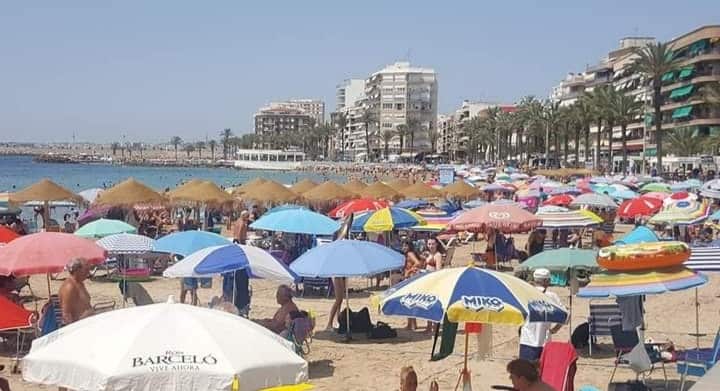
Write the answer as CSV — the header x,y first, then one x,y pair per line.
x,y
586,149
566,141
577,146
547,145
597,144
611,163
658,127
623,127
367,141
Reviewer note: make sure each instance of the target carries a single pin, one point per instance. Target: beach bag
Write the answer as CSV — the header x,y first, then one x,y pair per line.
x,y
580,336
382,330
359,321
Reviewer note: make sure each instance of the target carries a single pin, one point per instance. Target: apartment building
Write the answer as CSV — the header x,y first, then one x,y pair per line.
x,y
348,93
313,107
280,118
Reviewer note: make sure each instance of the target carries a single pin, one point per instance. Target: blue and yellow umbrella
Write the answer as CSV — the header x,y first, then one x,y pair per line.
x,y
472,294
387,219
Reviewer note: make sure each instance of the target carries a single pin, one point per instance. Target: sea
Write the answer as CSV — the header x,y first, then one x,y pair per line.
x,y
17,172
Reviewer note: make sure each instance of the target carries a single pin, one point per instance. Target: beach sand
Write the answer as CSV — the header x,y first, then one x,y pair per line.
x,y
375,365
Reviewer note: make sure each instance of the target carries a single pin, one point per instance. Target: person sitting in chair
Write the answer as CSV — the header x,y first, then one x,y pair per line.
x,y
284,297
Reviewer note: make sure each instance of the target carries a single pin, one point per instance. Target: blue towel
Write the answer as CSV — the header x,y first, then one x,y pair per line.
x,y
49,322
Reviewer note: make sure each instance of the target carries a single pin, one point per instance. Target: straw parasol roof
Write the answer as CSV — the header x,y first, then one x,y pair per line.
x,y
460,189
399,184
421,191
129,192
200,191
182,187
45,190
380,191
355,186
247,186
303,186
329,191
271,192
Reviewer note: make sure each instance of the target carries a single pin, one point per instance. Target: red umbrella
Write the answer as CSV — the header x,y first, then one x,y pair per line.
x,y
356,206
641,206
7,235
559,200
14,316
506,218
46,252
656,195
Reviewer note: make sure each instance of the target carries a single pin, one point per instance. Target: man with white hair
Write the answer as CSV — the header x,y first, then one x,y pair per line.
x,y
74,297
533,335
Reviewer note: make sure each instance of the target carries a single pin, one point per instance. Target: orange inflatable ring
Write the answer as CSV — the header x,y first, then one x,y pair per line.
x,y
642,256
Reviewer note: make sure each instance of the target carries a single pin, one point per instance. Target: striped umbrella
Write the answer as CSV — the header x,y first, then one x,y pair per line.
x,y
120,244
705,259
645,282
682,213
387,219
569,219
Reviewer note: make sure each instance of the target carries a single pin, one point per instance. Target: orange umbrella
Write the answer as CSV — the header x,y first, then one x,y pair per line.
x,y
271,192
421,191
328,191
380,191
355,186
303,186
129,193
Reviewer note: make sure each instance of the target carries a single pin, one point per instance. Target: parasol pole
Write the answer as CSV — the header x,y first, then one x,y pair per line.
x,y
464,377
697,320
48,285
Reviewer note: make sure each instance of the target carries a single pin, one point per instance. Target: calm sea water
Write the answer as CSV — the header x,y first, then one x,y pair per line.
x,y
17,172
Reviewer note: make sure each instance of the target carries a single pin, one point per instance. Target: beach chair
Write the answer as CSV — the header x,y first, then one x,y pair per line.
x,y
316,284
134,291
448,258
558,364
631,352
697,362
602,317
300,333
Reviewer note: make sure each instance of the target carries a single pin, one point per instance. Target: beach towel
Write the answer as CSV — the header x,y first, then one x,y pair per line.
x,y
447,340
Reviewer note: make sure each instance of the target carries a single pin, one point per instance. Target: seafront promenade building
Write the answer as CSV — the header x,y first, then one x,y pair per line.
x,y
453,128
280,119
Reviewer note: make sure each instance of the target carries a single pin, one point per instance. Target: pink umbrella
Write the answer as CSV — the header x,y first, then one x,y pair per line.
x,y
46,252
656,194
506,218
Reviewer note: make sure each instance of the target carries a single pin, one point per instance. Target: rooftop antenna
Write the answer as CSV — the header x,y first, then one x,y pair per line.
x,y
408,54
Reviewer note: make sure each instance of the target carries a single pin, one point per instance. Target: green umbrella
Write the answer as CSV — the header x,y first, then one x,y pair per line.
x,y
105,227
562,259
655,186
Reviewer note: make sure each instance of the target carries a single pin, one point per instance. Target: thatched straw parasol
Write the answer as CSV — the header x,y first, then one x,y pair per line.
x,y
183,186
380,191
329,191
421,191
303,186
44,191
399,184
460,189
199,191
247,186
355,186
129,193
271,192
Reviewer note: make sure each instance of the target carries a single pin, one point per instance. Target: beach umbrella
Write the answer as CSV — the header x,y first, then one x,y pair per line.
x,y
624,194
594,200
638,207
204,192
551,208
562,259
714,216
229,258
422,191
572,190
567,219
493,187
89,195
14,316
380,191
46,252
271,192
682,213
163,347
303,186
126,243
104,227
437,223
386,219
398,184
7,235
44,191
656,187
328,191
559,200
474,204
640,234
607,284
183,186
286,207
506,218
706,260
412,204
356,206
355,186
129,193
656,195
679,196
299,221
247,186
187,242
462,190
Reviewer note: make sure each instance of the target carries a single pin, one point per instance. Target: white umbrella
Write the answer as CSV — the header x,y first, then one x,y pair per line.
x,y
126,244
167,346
261,263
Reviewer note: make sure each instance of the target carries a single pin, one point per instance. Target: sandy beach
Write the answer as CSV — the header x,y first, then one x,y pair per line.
x,y
374,365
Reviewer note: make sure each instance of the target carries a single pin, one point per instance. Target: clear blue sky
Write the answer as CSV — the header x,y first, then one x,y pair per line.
x,y
155,69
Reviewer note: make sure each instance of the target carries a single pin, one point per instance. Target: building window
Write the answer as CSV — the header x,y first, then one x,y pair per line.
x,y
387,125
400,90
400,106
387,106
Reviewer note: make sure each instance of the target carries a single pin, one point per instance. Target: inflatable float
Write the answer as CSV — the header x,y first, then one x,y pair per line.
x,y
642,256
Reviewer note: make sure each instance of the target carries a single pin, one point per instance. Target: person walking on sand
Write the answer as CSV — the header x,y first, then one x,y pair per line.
x,y
240,228
533,335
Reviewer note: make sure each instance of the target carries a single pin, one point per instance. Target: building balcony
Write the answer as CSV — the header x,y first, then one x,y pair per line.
x,y
697,78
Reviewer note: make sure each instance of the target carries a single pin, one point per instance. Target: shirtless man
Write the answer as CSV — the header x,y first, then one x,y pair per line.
x,y
284,298
74,297
240,228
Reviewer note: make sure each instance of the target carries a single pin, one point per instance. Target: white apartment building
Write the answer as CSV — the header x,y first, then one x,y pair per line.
x,y
348,93
315,108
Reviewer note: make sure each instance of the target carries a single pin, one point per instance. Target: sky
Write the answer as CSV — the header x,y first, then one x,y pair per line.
x,y
145,71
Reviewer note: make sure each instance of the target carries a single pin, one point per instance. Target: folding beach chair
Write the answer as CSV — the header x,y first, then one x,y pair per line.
x,y
602,317
300,333
316,284
632,352
558,364
697,362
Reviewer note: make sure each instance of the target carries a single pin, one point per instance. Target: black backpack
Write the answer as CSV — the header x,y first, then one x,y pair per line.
x,y
580,336
382,331
359,321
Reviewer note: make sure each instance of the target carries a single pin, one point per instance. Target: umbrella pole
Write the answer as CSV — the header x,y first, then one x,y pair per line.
x,y
348,334
46,214
465,374
697,320
48,285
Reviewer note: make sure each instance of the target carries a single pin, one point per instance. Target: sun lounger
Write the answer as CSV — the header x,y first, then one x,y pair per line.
x,y
602,317
697,362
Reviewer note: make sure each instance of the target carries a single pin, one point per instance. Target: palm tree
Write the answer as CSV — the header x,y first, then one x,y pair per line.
x,y
176,141
188,148
387,136
225,135
433,137
655,60
341,122
711,93
115,147
549,113
528,108
582,110
403,132
683,142
413,125
367,118
199,146
212,144
597,100
626,110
